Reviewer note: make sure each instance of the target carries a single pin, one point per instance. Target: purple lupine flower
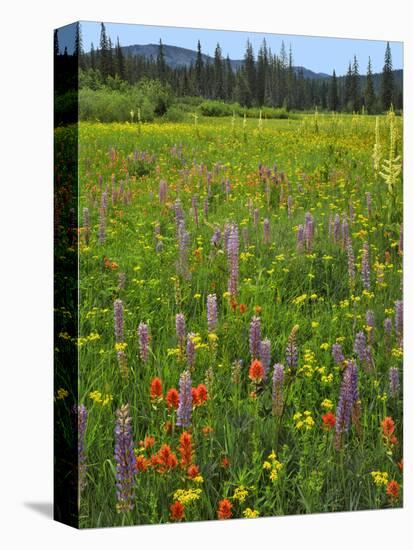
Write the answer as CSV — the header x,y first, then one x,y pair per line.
x,y
394,381
398,320
180,329
350,263
81,455
212,316
255,337
291,351
163,191
347,401
365,267
183,243
277,389
143,334
216,237
336,229
300,238
345,232
337,353
102,226
265,355
190,349
308,230
360,346
266,225
86,224
179,213
233,250
104,201
118,314
289,206
227,187
206,206
125,460
368,204
370,325
185,400
227,232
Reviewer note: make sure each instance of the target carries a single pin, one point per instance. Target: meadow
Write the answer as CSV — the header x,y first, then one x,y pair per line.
x,y
241,318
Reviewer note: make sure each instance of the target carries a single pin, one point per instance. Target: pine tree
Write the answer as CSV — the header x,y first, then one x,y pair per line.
x,y
355,86
103,52
348,84
250,75
120,62
369,95
92,57
229,80
199,70
262,70
387,80
333,93
160,62
55,43
218,73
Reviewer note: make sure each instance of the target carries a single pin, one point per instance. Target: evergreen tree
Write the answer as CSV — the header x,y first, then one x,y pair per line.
x,y
92,57
369,95
218,74
160,62
333,93
249,75
104,53
387,80
55,43
120,62
348,86
229,80
262,70
355,86
199,70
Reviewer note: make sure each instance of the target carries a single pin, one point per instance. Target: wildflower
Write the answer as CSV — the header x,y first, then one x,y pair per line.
x,y
190,349
148,442
122,362
277,389
394,381
327,404
273,465
224,509
193,471
165,460
143,335
118,313
266,225
388,426
329,420
365,267
337,353
102,224
300,238
81,430
308,230
233,251
242,308
398,320
177,511
380,478
256,372
392,489
249,513
240,494
187,496
265,354
172,398
225,462
186,448
180,328
125,460
156,388
142,463
291,351
62,393
370,325
212,312
255,337
199,395
185,400
350,263
347,401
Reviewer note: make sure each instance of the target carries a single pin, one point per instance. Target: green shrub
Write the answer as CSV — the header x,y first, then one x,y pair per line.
x,y
175,114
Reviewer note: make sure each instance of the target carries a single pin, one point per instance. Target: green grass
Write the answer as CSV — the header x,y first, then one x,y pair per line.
x,y
326,162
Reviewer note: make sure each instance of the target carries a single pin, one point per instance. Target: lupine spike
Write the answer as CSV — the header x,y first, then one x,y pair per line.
x,y
143,334
277,389
125,460
255,337
185,400
212,315
118,315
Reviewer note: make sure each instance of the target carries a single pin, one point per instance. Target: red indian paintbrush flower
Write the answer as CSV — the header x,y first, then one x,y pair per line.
x,y
177,511
329,420
186,448
224,509
392,489
388,426
172,398
156,388
193,471
256,372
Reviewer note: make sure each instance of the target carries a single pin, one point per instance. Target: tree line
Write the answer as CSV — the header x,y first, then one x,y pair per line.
x,y
266,79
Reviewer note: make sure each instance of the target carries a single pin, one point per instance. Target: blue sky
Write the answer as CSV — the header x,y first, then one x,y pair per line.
x,y
315,53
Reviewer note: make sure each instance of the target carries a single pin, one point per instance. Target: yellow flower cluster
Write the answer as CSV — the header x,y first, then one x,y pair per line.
x,y
249,513
380,478
240,493
303,421
327,404
121,346
273,465
185,496
62,393
102,399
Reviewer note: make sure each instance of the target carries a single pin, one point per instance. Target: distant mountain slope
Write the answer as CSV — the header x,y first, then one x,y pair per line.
x,y
176,56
